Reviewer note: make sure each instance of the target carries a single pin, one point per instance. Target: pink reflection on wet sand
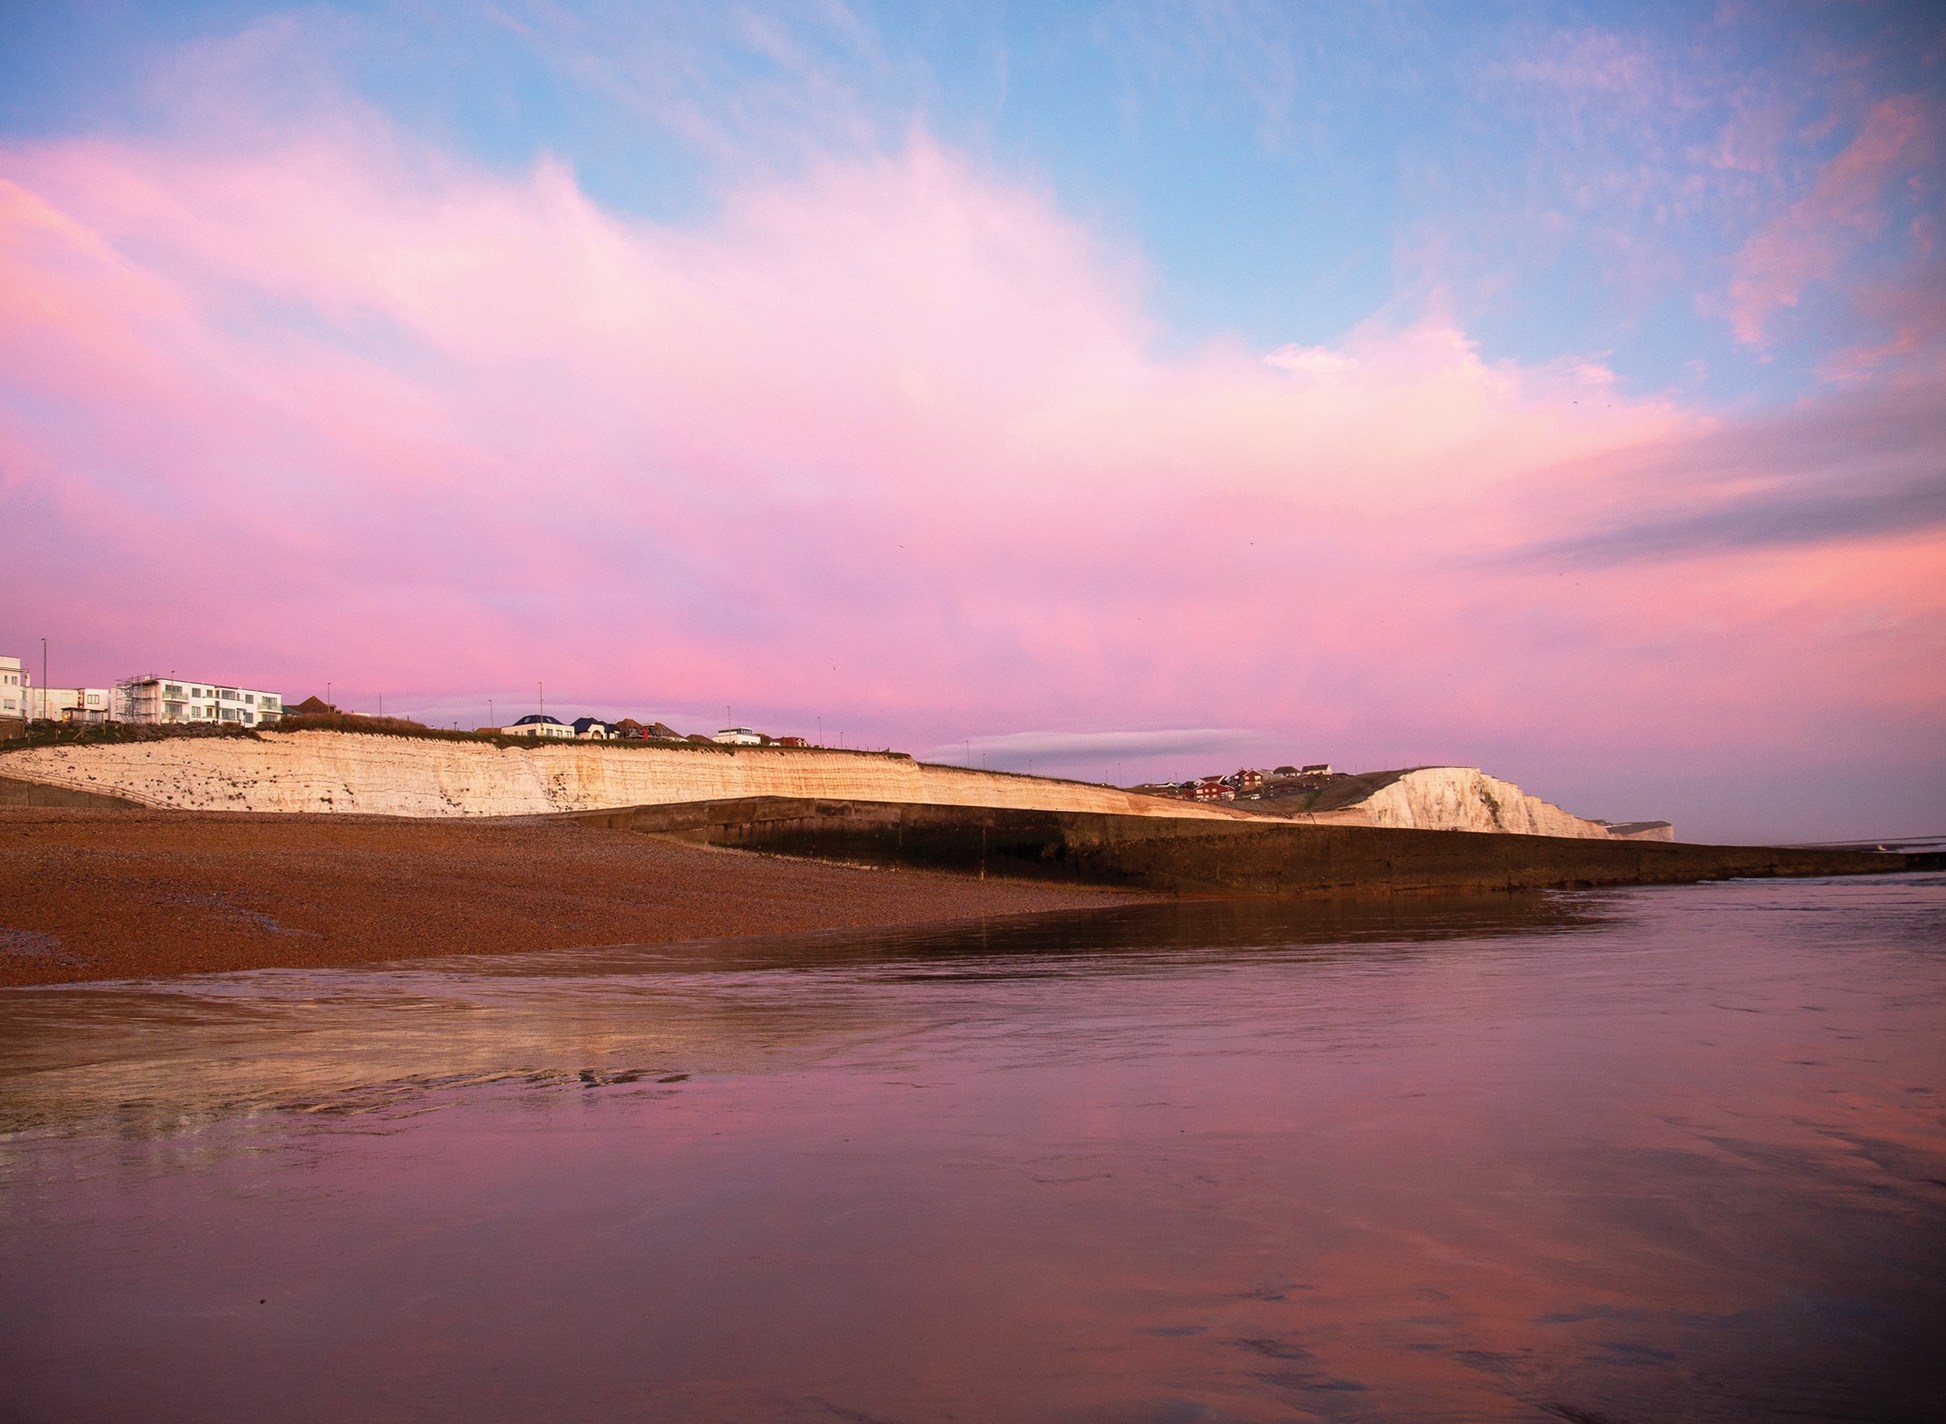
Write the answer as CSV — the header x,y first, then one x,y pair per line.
x,y
1682,1160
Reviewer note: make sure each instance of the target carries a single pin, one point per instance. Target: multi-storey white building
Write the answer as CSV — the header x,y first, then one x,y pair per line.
x,y
169,699
70,704
15,681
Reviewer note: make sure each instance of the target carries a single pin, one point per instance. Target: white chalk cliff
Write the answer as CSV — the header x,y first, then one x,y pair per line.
x,y
1463,798
408,776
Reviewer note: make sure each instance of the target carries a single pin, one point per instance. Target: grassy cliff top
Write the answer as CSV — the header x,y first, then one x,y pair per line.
x,y
63,734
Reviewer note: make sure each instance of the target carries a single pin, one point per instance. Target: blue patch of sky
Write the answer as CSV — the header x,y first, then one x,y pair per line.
x,y
508,105
1264,244
72,68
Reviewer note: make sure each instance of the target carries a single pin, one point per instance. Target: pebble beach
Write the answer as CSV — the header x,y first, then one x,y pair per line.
x,y
106,894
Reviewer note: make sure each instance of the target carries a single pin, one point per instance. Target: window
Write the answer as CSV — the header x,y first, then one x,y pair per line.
x,y
172,691
251,700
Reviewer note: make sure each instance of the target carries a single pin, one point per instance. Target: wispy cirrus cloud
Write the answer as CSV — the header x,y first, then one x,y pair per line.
x,y
1874,508
1061,749
1856,195
1860,467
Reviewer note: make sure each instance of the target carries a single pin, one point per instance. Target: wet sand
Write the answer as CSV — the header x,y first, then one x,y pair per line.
x,y
116,894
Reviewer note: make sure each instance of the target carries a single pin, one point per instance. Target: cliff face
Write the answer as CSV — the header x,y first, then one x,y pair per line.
x,y
1455,798
399,776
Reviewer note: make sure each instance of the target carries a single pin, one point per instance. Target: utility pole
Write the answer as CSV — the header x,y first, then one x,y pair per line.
x,y
543,687
43,678
490,721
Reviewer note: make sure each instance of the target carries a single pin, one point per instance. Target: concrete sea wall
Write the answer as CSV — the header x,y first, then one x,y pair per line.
x,y
14,792
1259,856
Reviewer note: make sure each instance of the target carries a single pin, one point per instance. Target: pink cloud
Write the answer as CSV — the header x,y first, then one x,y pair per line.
x,y
886,444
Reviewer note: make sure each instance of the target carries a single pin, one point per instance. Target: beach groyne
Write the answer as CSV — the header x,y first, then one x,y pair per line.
x,y
1179,856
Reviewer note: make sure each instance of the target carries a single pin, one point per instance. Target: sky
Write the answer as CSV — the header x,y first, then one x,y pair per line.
x,y
1122,391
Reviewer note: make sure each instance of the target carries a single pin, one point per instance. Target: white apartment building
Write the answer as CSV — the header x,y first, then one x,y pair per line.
x,y
70,704
170,699
15,682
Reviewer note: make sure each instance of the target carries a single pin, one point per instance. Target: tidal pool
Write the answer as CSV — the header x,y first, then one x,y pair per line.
x,y
1665,1154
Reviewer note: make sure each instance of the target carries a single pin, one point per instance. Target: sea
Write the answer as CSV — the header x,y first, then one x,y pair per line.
x,y
1604,1157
